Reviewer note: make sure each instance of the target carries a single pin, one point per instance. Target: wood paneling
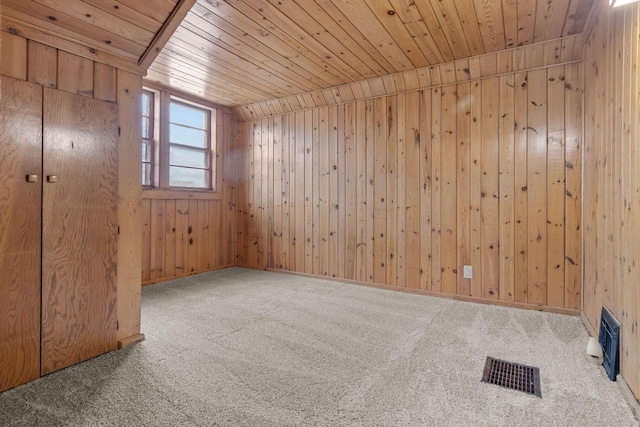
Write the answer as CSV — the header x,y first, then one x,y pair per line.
x,y
507,61
79,229
107,83
611,180
469,147
129,30
241,52
20,219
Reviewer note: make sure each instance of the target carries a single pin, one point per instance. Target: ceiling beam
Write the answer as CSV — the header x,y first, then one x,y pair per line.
x,y
165,33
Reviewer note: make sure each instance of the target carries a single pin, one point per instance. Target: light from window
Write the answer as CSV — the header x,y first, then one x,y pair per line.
x,y
189,148
147,136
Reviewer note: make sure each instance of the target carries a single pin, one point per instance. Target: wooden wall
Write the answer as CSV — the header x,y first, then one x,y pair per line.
x,y
612,180
44,64
187,233
404,190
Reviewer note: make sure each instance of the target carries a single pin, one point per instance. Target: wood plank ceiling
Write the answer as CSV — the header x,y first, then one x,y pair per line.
x,y
123,28
236,52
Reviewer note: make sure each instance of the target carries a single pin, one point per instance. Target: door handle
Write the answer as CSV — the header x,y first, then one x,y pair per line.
x,y
32,178
52,179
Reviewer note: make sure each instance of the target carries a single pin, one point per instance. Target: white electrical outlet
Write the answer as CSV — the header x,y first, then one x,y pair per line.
x,y
468,272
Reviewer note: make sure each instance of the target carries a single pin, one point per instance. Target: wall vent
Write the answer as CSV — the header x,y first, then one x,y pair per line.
x,y
609,339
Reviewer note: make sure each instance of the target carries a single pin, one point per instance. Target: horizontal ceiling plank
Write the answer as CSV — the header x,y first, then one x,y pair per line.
x,y
158,10
208,93
55,30
394,26
227,67
447,16
219,65
188,70
366,22
364,66
98,18
577,16
415,24
283,22
338,24
510,14
126,13
45,16
550,19
526,21
491,22
469,20
252,24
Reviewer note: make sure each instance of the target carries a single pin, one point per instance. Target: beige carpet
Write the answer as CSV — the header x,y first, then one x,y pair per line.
x,y
239,347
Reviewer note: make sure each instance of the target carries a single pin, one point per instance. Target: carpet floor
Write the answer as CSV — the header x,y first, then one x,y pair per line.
x,y
246,348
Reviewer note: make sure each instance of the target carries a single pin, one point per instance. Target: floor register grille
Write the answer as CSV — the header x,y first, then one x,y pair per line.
x,y
513,376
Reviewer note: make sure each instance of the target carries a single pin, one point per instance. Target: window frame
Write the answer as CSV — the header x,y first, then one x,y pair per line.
x,y
209,150
151,140
160,181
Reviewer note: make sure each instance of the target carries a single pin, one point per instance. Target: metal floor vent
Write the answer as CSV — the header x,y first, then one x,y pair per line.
x,y
609,339
512,375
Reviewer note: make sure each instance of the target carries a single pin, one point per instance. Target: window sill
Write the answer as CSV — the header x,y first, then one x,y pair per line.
x,y
148,193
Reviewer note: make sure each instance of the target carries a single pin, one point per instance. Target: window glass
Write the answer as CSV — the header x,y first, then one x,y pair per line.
x,y
189,146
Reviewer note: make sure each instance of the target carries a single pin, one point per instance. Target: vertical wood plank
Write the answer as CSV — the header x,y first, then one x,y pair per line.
x,y
401,190
43,66
506,185
182,238
425,189
350,194
537,187
463,131
379,118
556,192
322,173
412,190
300,192
308,190
104,82
170,238
392,190
315,199
436,190
361,273
490,232
75,74
371,168
13,62
334,200
448,189
521,242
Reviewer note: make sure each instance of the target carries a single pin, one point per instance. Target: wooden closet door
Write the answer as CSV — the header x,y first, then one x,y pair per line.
x,y
79,229
20,201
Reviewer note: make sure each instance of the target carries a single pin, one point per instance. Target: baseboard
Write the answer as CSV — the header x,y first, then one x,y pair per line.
x,y
502,303
587,325
629,396
166,279
129,341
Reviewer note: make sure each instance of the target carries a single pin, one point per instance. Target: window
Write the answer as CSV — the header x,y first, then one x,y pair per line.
x,y
189,154
147,136
178,142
